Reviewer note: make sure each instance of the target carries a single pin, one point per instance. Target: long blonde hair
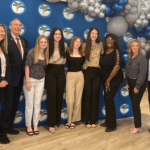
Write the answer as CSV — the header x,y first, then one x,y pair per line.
x,y
130,48
4,42
36,49
72,44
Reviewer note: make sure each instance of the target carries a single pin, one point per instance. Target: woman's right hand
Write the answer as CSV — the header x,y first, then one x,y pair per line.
x,y
127,87
28,86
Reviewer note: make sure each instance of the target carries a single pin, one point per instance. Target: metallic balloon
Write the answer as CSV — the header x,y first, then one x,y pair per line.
x,y
133,10
92,15
96,11
91,2
90,9
136,25
101,15
83,5
131,2
102,7
70,1
139,30
124,58
131,18
147,34
142,39
142,16
142,45
128,7
148,28
148,16
118,8
147,47
144,53
107,10
97,5
144,23
138,21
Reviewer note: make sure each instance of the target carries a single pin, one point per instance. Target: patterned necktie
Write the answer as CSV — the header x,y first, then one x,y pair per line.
x,y
19,47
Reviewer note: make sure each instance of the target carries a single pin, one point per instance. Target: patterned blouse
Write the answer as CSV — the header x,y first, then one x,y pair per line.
x,y
3,64
56,59
96,51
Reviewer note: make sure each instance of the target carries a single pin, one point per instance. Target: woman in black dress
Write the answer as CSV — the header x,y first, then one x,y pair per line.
x,y
112,77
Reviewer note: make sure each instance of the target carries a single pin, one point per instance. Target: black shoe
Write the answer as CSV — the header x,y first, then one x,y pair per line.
x,y
110,129
103,125
12,131
4,140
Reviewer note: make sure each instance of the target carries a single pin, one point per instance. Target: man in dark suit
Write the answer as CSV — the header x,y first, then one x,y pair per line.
x,y
17,49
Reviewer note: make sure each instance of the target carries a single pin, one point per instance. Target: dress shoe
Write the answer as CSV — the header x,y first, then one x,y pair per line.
x,y
12,131
110,129
103,125
4,140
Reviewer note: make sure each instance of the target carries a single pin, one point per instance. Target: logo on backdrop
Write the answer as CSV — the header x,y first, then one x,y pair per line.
x,y
104,111
18,7
68,33
44,95
86,33
43,115
23,30
19,117
21,96
127,36
68,14
64,113
44,30
44,10
124,109
124,92
88,18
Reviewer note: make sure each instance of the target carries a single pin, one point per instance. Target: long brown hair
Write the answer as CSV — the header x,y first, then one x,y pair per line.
x,y
36,49
72,44
4,41
130,48
89,43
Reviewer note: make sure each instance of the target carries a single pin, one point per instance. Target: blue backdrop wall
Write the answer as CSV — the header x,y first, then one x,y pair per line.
x,y
40,17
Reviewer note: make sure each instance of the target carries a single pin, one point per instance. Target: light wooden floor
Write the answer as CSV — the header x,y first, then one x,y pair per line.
x,y
82,138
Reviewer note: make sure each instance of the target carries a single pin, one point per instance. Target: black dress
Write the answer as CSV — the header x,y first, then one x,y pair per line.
x,y
107,63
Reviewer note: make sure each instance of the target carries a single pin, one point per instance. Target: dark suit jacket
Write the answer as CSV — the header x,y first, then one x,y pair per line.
x,y
15,60
7,75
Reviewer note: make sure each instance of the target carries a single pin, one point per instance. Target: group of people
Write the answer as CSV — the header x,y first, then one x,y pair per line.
x,y
89,64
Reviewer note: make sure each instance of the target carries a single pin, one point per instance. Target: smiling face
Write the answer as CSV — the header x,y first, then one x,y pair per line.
x,y
57,36
135,48
15,27
77,44
2,33
94,35
43,43
109,42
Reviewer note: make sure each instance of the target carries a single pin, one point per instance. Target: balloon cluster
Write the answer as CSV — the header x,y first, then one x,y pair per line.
x,y
93,8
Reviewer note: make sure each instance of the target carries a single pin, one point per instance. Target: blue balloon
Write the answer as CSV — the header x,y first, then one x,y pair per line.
x,y
108,1
107,10
118,8
148,28
139,30
124,58
147,34
123,2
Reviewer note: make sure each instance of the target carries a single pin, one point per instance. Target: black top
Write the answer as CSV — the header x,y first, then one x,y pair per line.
x,y
75,63
37,71
137,68
107,63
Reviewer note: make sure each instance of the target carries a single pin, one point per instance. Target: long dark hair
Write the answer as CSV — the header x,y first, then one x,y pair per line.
x,y
116,42
89,43
61,43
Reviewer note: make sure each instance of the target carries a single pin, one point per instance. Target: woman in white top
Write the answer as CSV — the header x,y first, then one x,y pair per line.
x,y
4,80
55,77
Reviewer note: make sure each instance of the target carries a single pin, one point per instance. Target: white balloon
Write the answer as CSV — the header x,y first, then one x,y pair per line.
x,y
90,9
117,25
138,21
144,53
131,18
133,10
148,16
97,5
142,16
131,2
101,15
91,2
144,23
70,1
102,7
93,15
128,7
142,39
122,14
142,45
83,5
96,11
147,47
136,25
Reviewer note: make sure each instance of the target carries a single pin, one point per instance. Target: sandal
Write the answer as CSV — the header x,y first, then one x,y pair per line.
x,y
88,126
29,133
52,130
67,126
36,132
134,132
93,125
72,126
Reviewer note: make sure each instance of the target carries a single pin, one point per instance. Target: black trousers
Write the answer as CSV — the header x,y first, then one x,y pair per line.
x,y
109,102
10,100
55,84
149,92
136,99
90,99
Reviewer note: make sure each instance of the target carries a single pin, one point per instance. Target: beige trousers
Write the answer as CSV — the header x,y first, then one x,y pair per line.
x,y
74,89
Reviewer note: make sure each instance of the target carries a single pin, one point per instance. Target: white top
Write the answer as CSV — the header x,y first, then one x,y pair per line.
x,y
19,42
3,65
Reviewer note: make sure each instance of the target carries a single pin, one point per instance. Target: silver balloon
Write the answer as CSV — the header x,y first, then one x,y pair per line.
x,y
144,23
83,5
92,15
122,14
136,3
144,53
102,7
85,12
142,45
133,10
90,9
101,15
148,16
136,25
70,1
131,2
142,39
142,16
147,47
138,21
117,25
91,2
148,41
144,9
126,11
97,5
128,7
53,1
131,18
75,6
96,11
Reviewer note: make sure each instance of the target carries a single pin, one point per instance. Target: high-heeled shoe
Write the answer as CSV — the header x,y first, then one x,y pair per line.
x,y
52,130
134,132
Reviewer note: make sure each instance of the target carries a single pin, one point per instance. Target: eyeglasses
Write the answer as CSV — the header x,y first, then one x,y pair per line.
x,y
108,40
